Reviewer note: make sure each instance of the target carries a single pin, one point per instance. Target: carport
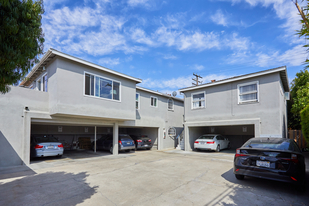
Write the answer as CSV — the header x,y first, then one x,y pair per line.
x,y
151,132
237,131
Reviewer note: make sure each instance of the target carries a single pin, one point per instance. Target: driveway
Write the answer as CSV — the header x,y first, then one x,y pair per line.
x,y
170,177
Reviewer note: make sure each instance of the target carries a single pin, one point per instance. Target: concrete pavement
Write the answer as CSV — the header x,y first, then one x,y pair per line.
x,y
171,177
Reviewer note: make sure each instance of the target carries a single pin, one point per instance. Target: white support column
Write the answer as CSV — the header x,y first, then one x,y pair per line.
x,y
27,138
115,138
160,138
95,139
187,139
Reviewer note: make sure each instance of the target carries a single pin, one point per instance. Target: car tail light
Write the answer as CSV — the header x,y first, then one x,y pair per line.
x,y
237,170
139,140
60,145
294,158
293,179
119,142
238,154
196,142
213,142
149,140
38,146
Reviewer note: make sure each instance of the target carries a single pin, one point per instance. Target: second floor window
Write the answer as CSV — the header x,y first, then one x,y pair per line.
x,y
45,83
198,100
248,92
154,101
102,87
137,101
170,104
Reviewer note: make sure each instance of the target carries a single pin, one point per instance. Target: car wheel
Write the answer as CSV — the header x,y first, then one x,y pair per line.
x,y
218,148
111,149
240,177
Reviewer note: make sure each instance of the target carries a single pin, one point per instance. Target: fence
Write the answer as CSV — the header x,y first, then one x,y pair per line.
x,y
298,137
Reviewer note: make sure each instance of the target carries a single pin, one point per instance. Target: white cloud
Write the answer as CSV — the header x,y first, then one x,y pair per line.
x,y
138,35
134,3
219,18
291,57
197,67
179,82
169,56
109,61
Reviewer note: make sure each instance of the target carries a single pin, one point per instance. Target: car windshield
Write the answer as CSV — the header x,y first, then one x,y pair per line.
x,y
271,144
45,139
206,137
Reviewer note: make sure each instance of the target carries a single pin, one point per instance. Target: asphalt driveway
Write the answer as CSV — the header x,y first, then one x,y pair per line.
x,y
169,177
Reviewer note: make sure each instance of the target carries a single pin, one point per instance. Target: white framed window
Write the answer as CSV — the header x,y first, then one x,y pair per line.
x,y
171,131
170,104
38,84
154,101
198,100
248,92
137,100
101,87
45,80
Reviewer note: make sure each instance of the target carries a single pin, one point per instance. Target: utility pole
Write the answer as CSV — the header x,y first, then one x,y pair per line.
x,y
301,13
196,79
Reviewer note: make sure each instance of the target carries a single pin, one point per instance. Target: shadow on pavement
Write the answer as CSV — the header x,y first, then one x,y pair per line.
x,y
261,190
50,188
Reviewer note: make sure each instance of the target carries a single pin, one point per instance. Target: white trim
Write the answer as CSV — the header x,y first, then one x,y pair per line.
x,y
139,101
257,91
204,92
234,79
93,65
95,75
158,93
157,101
173,104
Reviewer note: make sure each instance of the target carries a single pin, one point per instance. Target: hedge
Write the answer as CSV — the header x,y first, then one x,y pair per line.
x,y
304,115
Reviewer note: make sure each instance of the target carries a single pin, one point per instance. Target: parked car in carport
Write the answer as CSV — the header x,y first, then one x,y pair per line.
x,y
214,142
45,146
125,143
277,159
142,141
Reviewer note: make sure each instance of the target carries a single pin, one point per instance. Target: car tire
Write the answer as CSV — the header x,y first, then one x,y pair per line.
x,y
111,149
218,148
240,177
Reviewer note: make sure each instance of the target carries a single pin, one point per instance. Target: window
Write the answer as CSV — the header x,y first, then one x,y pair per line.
x,y
198,100
171,131
137,101
154,101
102,87
39,85
170,104
45,83
248,92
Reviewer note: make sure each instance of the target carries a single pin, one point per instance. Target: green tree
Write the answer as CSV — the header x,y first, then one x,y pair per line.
x,y
305,122
21,39
299,98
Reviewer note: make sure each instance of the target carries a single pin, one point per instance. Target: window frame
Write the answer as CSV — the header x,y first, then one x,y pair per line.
x,y
174,130
246,84
94,92
192,105
138,100
43,83
157,102
168,104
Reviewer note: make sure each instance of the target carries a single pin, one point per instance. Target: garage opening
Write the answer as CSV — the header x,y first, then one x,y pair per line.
x,y
150,132
237,134
77,141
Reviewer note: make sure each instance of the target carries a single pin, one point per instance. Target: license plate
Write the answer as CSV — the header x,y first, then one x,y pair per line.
x,y
202,142
262,163
128,143
50,147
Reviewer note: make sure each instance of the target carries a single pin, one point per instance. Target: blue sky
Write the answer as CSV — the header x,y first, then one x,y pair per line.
x,y
165,42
